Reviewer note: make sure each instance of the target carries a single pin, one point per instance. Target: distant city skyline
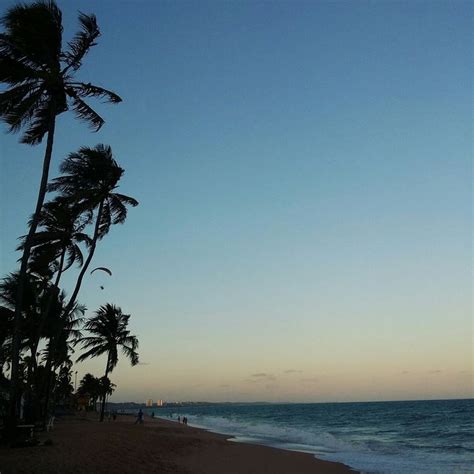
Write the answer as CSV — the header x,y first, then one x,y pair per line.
x,y
304,173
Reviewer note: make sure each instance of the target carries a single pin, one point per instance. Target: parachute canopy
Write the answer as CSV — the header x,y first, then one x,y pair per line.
x,y
106,270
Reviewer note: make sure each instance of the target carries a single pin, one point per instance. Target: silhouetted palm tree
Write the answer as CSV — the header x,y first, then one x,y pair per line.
x,y
41,85
90,178
34,296
90,385
57,243
58,240
63,333
109,333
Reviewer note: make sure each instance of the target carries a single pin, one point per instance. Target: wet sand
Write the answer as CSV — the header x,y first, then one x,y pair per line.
x,y
83,445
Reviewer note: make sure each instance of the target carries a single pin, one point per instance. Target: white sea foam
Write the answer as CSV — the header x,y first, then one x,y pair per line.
x,y
367,457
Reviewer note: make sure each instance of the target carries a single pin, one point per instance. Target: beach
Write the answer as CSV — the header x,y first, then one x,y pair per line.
x,y
83,445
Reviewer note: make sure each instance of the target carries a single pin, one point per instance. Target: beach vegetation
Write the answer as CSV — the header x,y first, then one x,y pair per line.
x,y
109,334
40,78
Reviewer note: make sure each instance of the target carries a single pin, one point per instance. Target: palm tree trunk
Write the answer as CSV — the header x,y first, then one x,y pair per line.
x,y
104,395
60,269
15,382
54,291
48,386
88,260
43,320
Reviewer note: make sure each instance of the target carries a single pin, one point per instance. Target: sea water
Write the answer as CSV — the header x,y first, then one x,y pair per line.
x,y
376,437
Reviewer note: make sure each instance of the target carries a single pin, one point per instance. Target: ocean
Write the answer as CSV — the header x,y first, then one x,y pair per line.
x,y
377,437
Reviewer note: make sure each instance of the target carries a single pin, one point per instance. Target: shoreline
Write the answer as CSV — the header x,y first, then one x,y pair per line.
x,y
81,444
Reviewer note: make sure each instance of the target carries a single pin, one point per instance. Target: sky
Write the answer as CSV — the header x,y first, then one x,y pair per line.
x,y
305,184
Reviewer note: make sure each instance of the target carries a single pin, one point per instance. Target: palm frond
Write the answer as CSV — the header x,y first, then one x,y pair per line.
x,y
82,41
89,90
91,353
86,113
39,125
15,72
131,354
33,31
127,199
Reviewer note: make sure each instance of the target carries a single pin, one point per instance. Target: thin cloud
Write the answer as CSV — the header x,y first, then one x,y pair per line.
x,y
144,363
262,377
435,371
292,371
310,380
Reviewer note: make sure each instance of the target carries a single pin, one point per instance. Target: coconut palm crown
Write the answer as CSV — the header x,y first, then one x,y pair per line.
x,y
109,332
90,177
40,74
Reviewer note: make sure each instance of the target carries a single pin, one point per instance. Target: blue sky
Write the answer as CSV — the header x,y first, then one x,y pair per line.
x,y
304,177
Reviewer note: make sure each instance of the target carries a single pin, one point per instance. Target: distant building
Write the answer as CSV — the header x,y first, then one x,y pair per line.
x,y
149,403
160,403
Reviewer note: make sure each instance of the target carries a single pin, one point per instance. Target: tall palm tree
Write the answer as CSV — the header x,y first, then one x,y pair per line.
x,y
90,178
58,242
40,85
63,334
36,292
109,333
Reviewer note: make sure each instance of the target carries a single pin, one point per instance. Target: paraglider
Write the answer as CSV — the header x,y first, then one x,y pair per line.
x,y
103,269
106,270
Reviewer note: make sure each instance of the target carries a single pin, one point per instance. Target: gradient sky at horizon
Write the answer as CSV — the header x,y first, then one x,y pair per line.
x,y
305,184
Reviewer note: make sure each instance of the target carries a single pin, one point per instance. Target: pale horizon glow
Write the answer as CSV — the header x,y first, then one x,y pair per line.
x,y
305,184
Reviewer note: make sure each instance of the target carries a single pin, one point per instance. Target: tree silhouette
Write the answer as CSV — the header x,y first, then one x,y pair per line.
x,y
109,333
90,178
40,85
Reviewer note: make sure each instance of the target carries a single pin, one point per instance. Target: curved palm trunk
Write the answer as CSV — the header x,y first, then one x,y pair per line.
x,y
44,317
14,386
104,395
44,314
88,261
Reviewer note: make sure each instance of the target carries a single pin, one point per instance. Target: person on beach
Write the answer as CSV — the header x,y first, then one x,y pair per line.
x,y
153,414
179,419
139,417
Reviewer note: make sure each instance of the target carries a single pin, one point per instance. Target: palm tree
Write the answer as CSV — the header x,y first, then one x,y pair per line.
x,y
90,178
56,245
40,86
109,333
91,386
63,334
58,240
36,292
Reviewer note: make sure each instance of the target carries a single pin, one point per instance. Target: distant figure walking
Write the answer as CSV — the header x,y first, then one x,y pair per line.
x,y
185,420
153,414
179,419
139,417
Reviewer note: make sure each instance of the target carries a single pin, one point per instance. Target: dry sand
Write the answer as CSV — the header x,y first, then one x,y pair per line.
x,y
158,446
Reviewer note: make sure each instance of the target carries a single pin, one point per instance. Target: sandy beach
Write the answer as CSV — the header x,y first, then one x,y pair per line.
x,y
83,445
